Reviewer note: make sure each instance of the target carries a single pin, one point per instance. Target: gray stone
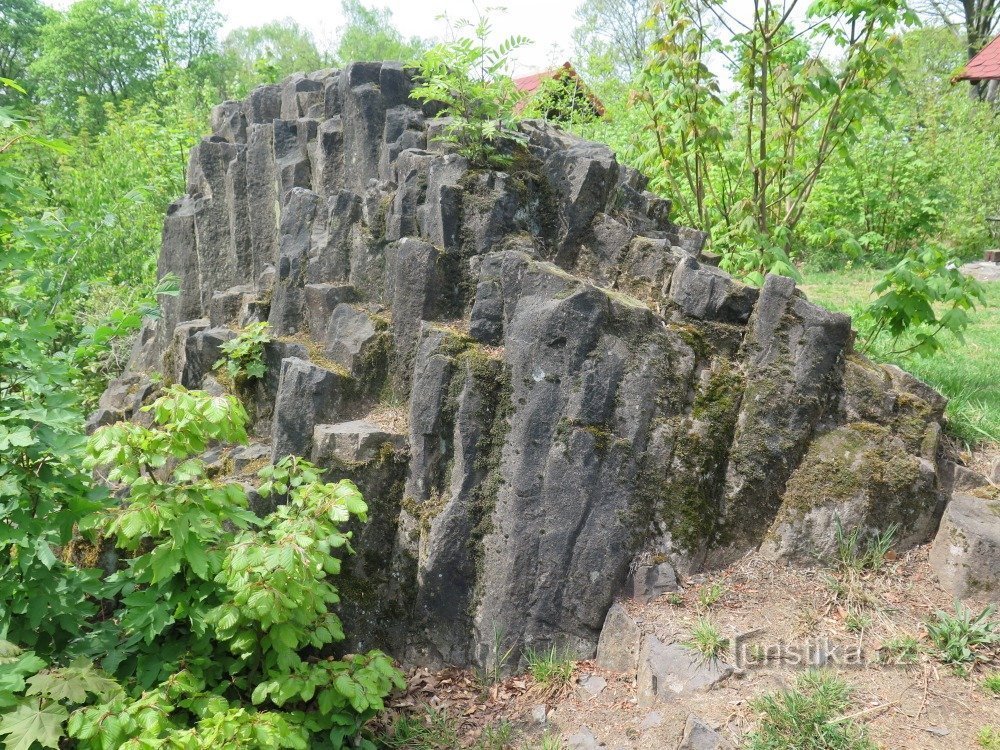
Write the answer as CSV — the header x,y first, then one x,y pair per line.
x,y
700,736
246,455
350,337
966,551
540,713
709,293
966,479
651,581
668,670
591,685
352,442
620,641
651,720
307,395
583,739
321,300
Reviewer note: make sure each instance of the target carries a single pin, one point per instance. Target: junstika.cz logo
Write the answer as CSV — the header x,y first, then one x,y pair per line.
x,y
747,653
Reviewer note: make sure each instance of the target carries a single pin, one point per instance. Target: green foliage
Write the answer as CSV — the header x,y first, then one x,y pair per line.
x,y
116,32
911,295
470,81
550,667
710,595
269,52
963,639
561,98
857,556
21,24
235,607
243,356
809,717
707,640
369,34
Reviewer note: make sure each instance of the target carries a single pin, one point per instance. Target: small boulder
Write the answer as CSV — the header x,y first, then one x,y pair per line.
x,y
618,646
352,442
700,736
590,686
350,334
322,300
708,293
650,581
583,740
966,551
666,670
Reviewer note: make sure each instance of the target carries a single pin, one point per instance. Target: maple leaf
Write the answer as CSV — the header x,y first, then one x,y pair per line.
x,y
72,683
34,721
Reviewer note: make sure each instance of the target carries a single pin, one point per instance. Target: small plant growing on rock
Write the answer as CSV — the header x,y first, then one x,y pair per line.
x,y
469,80
707,640
963,639
243,356
710,595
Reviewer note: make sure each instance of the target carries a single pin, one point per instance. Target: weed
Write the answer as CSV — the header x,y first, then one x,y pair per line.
x,y
709,595
550,667
989,738
903,649
497,737
434,730
675,599
547,742
857,622
858,557
991,684
707,640
963,639
492,674
808,717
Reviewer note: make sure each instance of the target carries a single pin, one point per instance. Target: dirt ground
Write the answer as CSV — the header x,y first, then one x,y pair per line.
x,y
923,705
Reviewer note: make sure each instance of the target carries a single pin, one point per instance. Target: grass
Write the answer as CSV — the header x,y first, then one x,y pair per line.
x,y
989,738
900,650
433,730
963,639
965,373
707,640
856,622
709,595
809,717
855,556
991,684
551,667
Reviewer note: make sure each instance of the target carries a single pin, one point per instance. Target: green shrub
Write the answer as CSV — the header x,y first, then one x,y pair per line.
x,y
243,356
707,640
469,80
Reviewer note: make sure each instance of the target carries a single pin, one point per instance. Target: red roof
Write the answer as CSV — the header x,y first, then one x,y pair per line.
x,y
984,66
530,84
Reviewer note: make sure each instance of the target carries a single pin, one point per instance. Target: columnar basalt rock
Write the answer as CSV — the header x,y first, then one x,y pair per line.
x,y
539,383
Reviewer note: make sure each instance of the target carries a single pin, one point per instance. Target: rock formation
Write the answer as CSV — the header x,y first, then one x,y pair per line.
x,y
534,376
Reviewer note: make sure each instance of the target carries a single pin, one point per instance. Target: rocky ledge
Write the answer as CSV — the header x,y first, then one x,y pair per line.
x,y
543,389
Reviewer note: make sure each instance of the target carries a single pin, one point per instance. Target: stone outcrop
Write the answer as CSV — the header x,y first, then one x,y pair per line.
x,y
966,552
542,387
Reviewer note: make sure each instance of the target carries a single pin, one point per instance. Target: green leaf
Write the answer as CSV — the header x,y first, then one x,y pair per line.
x,y
33,721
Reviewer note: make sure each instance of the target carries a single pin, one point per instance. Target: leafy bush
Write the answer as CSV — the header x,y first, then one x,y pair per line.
x,y
469,80
908,294
244,355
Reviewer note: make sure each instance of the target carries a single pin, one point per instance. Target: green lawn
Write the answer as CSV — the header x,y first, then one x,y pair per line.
x,y
968,374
